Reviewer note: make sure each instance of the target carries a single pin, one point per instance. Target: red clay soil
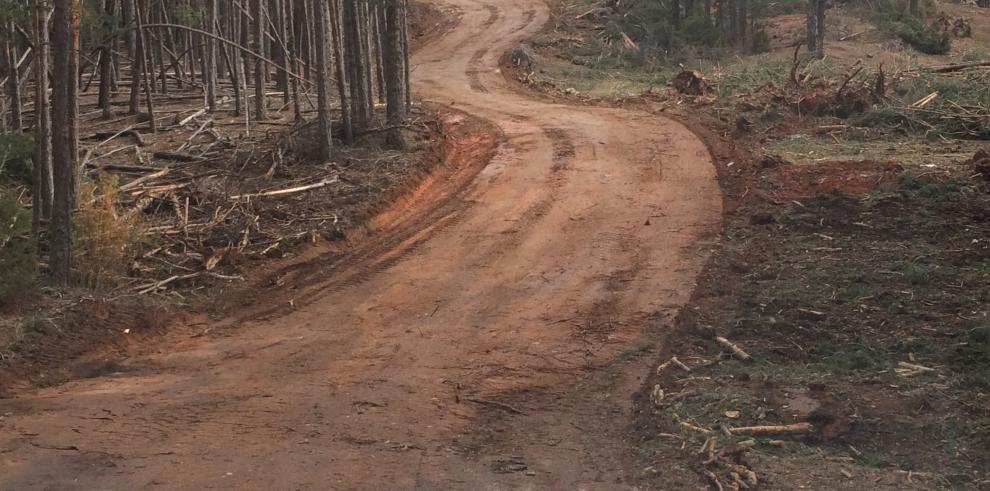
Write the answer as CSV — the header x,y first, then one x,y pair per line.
x,y
489,333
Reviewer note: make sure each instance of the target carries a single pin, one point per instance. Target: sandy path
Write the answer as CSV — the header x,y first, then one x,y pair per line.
x,y
491,343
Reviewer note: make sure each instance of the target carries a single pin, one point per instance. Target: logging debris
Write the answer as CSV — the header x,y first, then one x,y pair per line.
x,y
212,197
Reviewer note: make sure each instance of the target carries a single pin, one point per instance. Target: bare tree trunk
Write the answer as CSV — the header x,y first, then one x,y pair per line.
x,y
236,26
106,61
394,72
732,14
294,56
143,74
65,26
260,102
43,194
335,19
211,55
13,80
136,55
377,34
742,24
283,49
320,26
405,54
356,58
816,27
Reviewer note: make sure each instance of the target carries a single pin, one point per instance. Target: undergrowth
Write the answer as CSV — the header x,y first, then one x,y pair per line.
x,y
17,252
106,236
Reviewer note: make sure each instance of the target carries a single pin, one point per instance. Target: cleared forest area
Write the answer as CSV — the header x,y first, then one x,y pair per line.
x,y
845,316
204,142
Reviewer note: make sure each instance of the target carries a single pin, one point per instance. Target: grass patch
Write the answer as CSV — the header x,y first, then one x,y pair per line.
x,y
106,237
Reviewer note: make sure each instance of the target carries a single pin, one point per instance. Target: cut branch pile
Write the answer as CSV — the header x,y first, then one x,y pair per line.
x,y
209,205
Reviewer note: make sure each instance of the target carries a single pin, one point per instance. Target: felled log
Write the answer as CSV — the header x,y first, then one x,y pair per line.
x,y
110,135
958,66
791,429
283,192
176,156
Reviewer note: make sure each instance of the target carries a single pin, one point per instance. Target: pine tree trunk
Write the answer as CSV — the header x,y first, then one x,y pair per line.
x,y
283,50
732,12
355,59
816,27
258,32
742,24
377,35
136,55
320,26
43,194
335,19
394,72
294,56
106,62
405,55
143,73
212,11
65,25
13,82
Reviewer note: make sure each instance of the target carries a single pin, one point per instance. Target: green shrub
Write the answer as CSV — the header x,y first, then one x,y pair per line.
x,y
17,259
700,31
761,42
927,39
16,151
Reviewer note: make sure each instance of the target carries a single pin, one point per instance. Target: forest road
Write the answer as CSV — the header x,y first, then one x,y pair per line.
x,y
497,347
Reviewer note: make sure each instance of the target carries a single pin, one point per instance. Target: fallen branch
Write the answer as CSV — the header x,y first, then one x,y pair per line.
x,y
925,100
673,361
791,429
143,179
176,156
736,350
106,136
502,406
848,79
906,369
192,116
283,192
958,67
705,431
150,287
794,65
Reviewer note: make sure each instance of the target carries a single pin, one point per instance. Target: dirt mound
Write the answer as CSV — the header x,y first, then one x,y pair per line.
x,y
789,182
83,341
843,104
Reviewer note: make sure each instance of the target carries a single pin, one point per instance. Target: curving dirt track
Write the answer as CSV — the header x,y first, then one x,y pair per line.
x,y
489,338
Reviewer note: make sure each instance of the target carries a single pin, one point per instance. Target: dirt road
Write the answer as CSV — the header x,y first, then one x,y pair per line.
x,y
491,342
